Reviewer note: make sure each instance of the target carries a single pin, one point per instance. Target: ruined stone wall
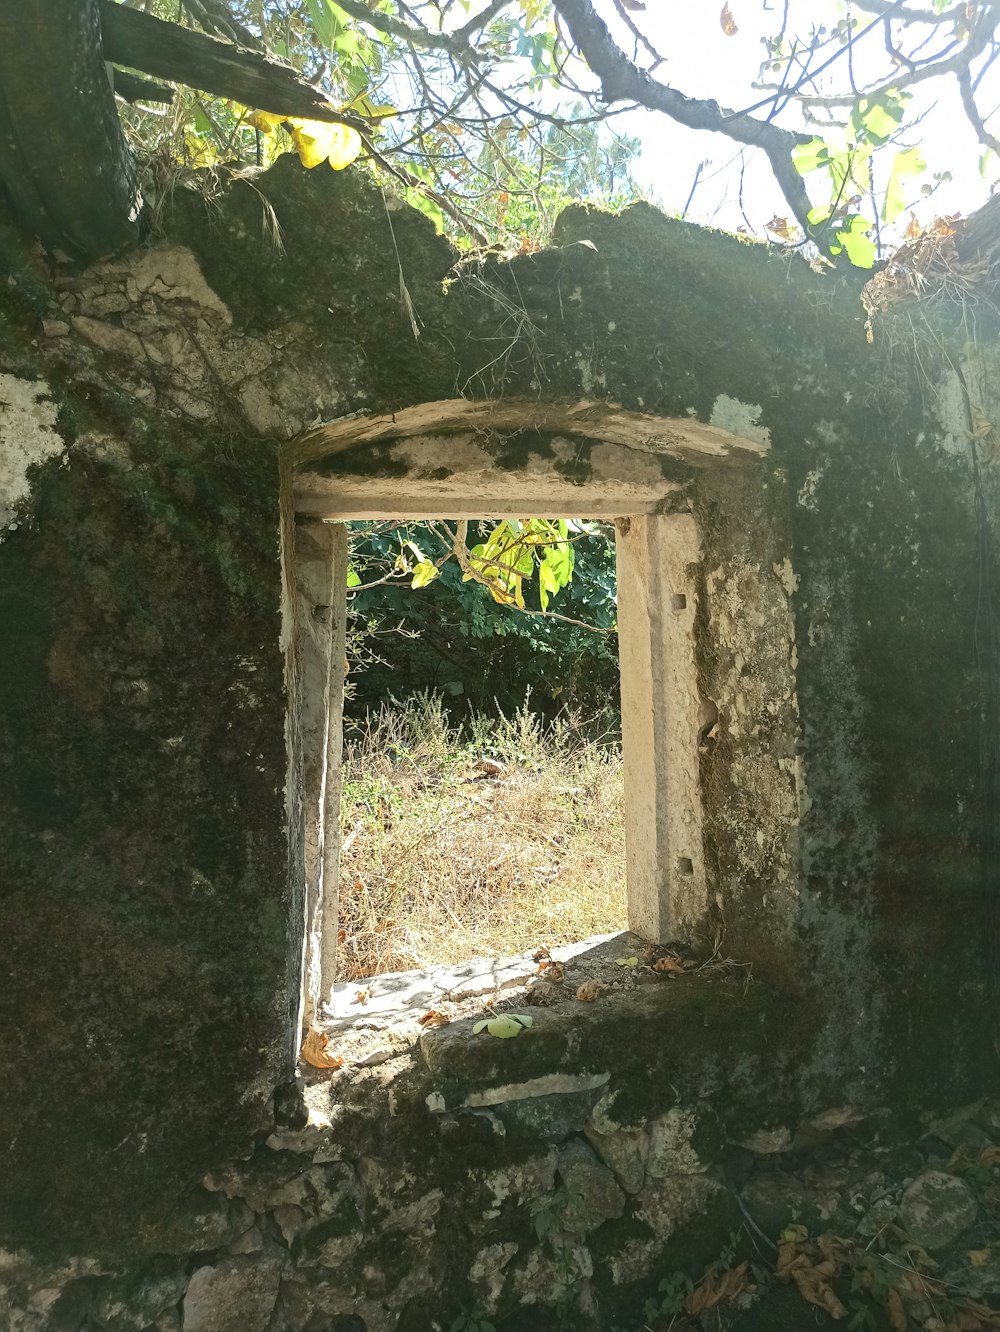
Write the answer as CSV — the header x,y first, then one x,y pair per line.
x,y
151,980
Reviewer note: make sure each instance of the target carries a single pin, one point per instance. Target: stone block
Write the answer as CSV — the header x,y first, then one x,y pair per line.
x,y
937,1209
235,1295
595,1195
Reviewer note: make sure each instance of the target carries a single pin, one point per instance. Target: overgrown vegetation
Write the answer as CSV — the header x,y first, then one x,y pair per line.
x,y
490,117
487,839
469,637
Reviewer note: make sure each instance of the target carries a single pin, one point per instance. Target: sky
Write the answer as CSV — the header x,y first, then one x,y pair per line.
x,y
702,61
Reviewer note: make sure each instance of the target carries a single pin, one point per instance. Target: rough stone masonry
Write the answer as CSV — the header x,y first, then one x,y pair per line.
x,y
160,1166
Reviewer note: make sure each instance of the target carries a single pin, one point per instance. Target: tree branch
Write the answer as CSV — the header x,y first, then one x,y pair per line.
x,y
972,111
454,43
182,55
622,80
132,89
895,9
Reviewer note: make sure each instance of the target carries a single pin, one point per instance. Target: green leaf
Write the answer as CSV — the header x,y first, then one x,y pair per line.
x,y
324,23
818,215
506,1027
626,961
858,245
878,119
810,156
909,162
352,577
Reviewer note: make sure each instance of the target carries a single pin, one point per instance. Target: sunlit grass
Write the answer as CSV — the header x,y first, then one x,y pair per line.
x,y
442,862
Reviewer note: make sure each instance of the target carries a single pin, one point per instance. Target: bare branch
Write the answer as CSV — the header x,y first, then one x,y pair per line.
x,y
455,43
972,111
896,9
622,80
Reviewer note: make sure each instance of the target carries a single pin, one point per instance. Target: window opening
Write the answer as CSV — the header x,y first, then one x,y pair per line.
x,y
482,803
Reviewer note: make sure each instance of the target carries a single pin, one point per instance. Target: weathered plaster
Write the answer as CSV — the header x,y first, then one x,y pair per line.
x,y
838,614
28,437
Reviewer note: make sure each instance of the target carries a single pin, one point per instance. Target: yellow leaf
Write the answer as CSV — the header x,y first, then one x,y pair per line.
x,y
265,121
425,572
345,146
199,152
312,141
728,22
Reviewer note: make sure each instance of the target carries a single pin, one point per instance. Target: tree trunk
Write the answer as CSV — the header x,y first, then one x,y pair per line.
x,y
64,161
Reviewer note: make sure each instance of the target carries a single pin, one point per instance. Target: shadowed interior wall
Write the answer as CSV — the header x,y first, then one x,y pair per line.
x,y
151,980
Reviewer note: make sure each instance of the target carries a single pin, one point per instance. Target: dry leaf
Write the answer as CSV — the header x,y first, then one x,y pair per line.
x,y
540,954
668,963
434,1018
989,1156
778,226
361,996
649,953
553,972
728,22
897,1314
811,1278
314,1050
591,990
978,1257
811,1282
716,1289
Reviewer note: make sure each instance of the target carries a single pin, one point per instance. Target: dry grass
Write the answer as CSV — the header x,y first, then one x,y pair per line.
x,y
442,862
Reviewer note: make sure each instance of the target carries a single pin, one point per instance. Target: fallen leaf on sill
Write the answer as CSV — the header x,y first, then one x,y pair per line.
x,y
626,961
314,1050
434,1018
505,1027
591,990
668,963
553,972
540,954
362,996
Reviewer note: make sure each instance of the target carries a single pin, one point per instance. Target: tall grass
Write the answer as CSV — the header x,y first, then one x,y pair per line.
x,y
442,862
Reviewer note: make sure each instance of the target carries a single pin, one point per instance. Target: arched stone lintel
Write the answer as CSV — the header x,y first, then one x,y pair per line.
x,y
479,459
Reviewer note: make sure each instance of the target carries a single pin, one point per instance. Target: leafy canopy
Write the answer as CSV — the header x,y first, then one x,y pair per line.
x,y
490,114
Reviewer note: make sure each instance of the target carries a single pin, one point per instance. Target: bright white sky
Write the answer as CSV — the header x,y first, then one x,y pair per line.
x,y
702,61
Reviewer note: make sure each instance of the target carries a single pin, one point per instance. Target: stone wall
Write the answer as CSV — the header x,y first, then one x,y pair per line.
x,y
152,979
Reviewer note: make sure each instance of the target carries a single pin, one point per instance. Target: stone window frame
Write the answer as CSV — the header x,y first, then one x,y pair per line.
x,y
474,459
